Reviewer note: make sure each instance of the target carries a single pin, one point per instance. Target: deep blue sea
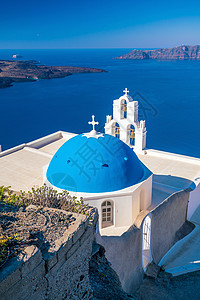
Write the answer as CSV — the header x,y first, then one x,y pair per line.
x,y
168,93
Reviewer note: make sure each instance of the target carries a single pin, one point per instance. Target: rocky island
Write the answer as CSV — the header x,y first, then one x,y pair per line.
x,y
25,71
176,53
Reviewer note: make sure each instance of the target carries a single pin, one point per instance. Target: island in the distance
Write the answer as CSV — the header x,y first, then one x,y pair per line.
x,y
23,71
177,53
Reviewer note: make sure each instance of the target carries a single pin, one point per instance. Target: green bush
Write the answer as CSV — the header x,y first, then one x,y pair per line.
x,y
44,196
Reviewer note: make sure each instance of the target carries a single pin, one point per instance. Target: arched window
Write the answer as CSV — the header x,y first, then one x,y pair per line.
x,y
123,109
131,135
116,130
107,213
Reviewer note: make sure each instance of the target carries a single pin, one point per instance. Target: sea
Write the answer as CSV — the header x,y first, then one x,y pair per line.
x,y
168,93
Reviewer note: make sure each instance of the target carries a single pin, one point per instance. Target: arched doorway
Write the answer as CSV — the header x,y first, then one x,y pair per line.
x,y
123,109
107,213
131,134
116,130
146,241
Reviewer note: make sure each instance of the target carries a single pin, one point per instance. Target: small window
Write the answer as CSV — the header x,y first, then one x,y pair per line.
x,y
105,165
107,214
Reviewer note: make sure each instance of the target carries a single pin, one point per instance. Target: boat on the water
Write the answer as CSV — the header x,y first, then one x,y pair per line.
x,y
16,56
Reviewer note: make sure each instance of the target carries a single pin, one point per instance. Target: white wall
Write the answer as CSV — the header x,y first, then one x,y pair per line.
x,y
126,207
148,192
194,201
122,209
136,204
45,140
136,198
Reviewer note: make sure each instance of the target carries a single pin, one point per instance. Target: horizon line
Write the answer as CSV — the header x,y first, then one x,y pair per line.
x,y
95,48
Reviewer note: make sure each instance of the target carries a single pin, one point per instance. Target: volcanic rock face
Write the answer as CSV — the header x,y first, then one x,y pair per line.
x,y
104,280
20,71
176,53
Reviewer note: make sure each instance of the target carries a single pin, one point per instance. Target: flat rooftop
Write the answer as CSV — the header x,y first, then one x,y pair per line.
x,y
21,167
172,173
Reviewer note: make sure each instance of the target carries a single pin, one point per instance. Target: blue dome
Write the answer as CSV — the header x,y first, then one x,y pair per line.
x,y
94,165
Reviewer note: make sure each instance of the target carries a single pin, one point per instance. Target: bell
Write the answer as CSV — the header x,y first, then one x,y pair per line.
x,y
132,135
124,107
117,130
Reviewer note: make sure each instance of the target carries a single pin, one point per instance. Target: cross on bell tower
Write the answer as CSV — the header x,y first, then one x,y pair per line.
x,y
126,91
93,123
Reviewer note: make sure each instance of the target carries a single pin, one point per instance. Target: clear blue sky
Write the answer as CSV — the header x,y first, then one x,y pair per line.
x,y
98,23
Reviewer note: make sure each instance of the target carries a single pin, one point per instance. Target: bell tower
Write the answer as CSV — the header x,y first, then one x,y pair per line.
x,y
125,125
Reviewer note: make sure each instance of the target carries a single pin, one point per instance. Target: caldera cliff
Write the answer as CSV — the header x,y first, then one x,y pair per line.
x,y
176,53
21,71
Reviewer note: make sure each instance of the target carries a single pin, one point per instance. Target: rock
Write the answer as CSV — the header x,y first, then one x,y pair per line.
x,y
152,270
103,279
26,71
164,278
176,53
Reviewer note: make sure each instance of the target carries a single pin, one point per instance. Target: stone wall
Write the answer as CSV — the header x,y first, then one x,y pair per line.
x,y
62,272
59,273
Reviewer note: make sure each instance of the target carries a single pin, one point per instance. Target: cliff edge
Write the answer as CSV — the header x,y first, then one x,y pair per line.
x,y
177,53
26,71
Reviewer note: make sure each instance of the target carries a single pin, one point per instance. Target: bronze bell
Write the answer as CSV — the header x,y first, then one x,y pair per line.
x,y
124,107
132,135
117,130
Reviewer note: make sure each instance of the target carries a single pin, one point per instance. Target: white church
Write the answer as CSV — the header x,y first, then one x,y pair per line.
x,y
113,171
104,170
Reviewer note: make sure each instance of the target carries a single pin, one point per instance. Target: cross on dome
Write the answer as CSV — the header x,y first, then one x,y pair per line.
x,y
93,123
126,91
93,132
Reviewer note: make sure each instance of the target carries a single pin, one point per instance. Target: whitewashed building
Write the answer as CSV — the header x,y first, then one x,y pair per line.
x,y
104,170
